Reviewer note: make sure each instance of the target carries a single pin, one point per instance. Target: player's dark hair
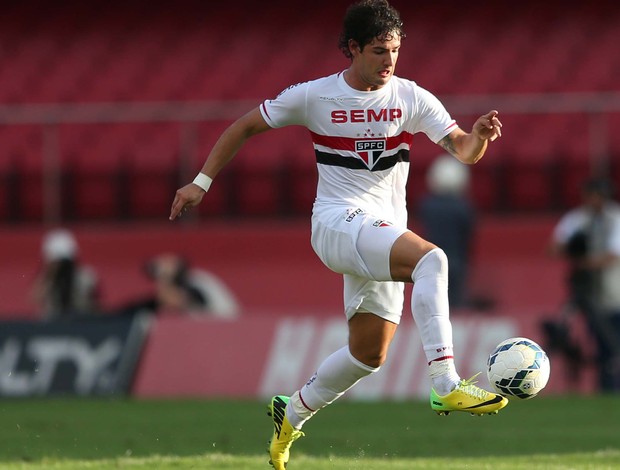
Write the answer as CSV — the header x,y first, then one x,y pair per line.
x,y
367,20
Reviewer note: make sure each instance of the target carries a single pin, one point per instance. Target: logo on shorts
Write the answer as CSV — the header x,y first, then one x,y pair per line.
x,y
381,223
352,213
370,150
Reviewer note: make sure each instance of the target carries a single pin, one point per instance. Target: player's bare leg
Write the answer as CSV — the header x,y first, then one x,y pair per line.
x,y
370,337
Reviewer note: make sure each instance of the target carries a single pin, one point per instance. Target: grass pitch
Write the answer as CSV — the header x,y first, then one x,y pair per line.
x,y
547,432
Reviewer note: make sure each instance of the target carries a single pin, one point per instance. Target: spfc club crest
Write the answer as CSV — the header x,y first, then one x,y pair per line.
x,y
370,150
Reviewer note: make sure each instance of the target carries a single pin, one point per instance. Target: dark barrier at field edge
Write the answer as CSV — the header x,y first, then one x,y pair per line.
x,y
82,357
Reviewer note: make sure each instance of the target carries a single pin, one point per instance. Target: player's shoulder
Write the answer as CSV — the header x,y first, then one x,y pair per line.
x,y
321,81
324,82
296,87
313,84
410,88
404,83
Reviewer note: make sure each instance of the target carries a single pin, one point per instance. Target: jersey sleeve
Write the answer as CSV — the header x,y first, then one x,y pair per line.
x,y
434,119
288,108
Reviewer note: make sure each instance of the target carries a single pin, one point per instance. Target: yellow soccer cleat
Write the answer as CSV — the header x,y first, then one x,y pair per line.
x,y
283,434
468,397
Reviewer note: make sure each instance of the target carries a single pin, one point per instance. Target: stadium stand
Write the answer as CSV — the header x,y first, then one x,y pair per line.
x,y
78,53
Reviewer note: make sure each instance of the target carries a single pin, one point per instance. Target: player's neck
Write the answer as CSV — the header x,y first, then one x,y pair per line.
x,y
356,81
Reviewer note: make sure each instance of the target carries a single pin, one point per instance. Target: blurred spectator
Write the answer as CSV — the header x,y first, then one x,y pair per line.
x,y
448,220
179,288
64,288
589,238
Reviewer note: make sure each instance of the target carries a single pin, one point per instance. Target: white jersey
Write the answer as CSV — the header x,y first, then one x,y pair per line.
x,y
361,139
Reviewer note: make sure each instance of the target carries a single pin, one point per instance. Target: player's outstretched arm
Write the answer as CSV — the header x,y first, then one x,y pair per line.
x,y
469,148
226,147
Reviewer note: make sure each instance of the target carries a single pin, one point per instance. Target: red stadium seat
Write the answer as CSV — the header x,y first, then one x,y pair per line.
x,y
98,158
86,54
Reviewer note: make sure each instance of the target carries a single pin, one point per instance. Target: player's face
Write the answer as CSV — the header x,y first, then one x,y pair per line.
x,y
374,65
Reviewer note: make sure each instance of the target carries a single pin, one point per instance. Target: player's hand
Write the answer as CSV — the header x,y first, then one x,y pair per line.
x,y
488,126
185,198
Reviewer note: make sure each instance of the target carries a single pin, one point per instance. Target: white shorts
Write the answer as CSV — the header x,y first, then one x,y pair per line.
x,y
358,244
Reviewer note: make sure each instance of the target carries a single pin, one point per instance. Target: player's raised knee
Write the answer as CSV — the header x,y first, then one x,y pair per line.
x,y
433,263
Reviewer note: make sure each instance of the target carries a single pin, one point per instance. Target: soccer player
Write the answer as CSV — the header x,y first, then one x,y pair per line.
x,y
362,121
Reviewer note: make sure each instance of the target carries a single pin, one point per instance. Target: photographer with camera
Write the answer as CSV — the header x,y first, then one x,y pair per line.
x,y
64,287
589,238
179,288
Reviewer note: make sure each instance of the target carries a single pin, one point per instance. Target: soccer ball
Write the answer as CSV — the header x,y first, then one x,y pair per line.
x,y
518,368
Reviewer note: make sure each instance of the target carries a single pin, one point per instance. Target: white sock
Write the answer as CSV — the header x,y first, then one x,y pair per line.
x,y
431,312
443,376
338,373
